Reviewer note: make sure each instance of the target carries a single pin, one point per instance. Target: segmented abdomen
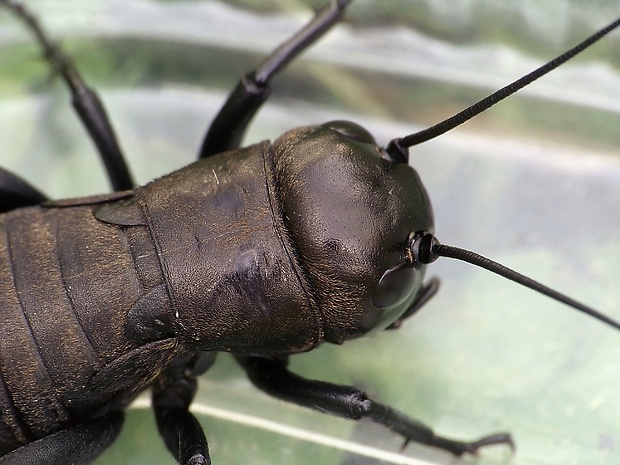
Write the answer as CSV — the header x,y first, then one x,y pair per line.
x,y
66,283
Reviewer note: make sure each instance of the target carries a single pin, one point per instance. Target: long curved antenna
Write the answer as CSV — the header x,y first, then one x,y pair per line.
x,y
397,148
425,248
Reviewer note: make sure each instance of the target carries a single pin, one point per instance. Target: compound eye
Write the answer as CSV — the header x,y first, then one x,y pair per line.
x,y
395,286
351,130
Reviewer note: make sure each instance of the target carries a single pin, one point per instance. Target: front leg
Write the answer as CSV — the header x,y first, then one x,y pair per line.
x,y
253,89
272,376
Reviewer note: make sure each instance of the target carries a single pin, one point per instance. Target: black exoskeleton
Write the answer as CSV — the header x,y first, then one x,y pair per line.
x,y
263,251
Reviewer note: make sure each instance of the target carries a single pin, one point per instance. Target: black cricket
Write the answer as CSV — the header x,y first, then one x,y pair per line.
x,y
263,251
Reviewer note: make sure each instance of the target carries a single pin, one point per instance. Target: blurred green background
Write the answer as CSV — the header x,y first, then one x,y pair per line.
x,y
534,183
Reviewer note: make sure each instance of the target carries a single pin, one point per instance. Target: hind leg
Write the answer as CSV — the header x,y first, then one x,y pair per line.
x,y
78,445
85,100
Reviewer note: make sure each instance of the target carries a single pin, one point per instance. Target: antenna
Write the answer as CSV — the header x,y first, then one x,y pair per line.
x,y
397,149
425,249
